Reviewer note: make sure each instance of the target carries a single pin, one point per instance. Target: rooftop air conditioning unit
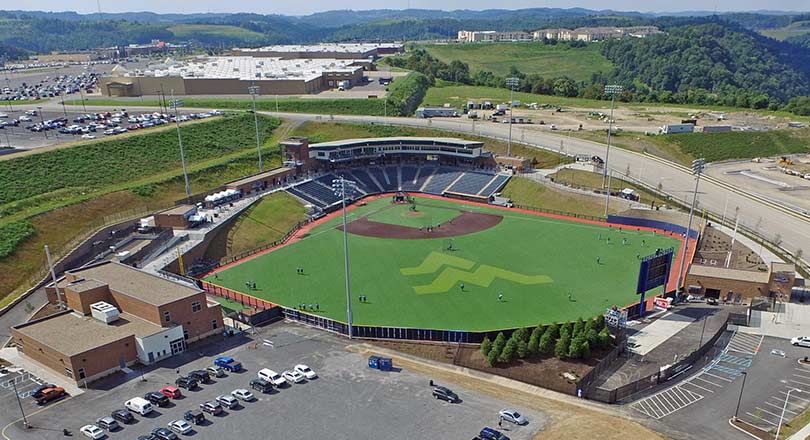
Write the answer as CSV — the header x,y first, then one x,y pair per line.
x,y
104,312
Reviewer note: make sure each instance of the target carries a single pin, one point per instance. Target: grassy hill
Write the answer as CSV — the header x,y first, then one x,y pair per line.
x,y
228,32
792,30
542,59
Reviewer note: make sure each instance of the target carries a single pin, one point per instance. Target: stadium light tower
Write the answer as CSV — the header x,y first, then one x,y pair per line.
x,y
254,90
344,189
175,104
698,165
612,90
512,83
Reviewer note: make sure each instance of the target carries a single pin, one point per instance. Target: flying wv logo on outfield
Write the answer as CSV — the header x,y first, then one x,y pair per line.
x,y
459,270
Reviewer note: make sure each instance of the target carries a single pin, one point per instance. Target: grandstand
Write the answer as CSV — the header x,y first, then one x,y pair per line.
x,y
439,166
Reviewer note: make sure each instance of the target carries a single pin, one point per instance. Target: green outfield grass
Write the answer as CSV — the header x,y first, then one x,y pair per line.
x,y
421,215
535,261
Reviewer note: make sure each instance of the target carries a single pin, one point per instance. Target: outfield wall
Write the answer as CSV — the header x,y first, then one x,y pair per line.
x,y
653,224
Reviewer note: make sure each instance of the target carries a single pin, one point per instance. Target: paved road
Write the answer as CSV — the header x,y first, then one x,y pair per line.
x,y
768,218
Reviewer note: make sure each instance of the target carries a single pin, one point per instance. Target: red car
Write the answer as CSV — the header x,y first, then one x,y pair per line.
x,y
50,394
133,127
171,392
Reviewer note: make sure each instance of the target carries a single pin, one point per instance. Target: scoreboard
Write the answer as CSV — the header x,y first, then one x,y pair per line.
x,y
654,270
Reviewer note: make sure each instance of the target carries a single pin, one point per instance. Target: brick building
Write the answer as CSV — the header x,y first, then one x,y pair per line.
x,y
153,319
740,285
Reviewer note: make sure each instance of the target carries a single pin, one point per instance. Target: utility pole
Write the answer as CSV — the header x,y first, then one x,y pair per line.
x,y
342,188
698,165
53,278
512,83
254,90
179,103
612,90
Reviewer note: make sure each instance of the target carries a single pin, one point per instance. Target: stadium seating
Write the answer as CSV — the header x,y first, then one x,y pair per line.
x,y
422,176
319,192
361,176
441,180
471,182
302,195
495,185
393,177
408,177
380,176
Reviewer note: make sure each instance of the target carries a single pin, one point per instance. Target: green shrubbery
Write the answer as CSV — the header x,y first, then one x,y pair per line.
x,y
572,340
12,234
405,94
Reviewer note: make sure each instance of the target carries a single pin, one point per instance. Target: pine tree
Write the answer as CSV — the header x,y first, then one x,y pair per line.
x,y
603,338
592,337
585,350
500,342
486,346
492,357
575,347
555,331
562,345
522,349
578,327
534,340
547,341
508,352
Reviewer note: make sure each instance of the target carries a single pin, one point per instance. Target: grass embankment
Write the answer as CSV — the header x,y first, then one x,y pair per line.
x,y
265,222
526,192
107,192
216,31
326,132
590,181
546,60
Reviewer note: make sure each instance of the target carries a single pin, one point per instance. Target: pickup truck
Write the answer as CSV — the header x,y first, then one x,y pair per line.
x,y
228,363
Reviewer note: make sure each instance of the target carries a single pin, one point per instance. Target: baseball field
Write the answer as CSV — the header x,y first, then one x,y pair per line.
x,y
442,264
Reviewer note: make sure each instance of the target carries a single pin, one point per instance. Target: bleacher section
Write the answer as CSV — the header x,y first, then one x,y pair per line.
x,y
441,180
495,185
471,182
363,181
422,177
393,177
408,176
317,193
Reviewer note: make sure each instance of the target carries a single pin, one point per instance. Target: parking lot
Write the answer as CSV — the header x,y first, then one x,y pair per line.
x,y
347,400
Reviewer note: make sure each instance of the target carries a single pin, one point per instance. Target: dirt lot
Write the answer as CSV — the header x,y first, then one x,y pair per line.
x,y
713,251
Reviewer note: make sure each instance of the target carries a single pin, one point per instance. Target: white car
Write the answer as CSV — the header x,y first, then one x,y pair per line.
x,y
180,426
801,341
306,371
3,115
92,431
88,136
271,376
511,415
243,394
227,401
293,376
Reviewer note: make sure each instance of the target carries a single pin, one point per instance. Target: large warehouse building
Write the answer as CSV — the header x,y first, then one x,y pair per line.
x,y
233,76
355,51
116,315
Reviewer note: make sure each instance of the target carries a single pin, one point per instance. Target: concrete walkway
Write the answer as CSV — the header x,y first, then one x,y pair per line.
x,y
802,434
793,321
42,372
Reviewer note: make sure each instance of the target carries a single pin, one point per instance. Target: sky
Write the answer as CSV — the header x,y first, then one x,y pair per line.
x,y
309,6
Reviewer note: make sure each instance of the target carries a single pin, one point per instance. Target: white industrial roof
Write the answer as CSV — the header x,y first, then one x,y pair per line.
x,y
250,68
322,47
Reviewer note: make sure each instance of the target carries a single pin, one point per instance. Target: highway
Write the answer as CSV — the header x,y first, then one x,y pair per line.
x,y
769,219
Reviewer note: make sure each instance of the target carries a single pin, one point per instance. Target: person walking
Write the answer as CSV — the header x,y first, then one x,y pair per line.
x,y
500,296
462,287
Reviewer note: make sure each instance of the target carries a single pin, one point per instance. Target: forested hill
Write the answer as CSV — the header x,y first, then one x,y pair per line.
x,y
711,62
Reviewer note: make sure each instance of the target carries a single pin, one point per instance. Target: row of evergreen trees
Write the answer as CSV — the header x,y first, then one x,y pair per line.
x,y
572,340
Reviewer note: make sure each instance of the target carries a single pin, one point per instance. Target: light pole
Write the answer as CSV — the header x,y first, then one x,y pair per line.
x,y
84,106
781,417
254,90
342,189
739,399
64,109
607,193
698,165
42,122
179,103
8,84
17,395
612,90
512,83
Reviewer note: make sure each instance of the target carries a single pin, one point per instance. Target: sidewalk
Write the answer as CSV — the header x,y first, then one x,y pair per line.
x,y
46,374
802,434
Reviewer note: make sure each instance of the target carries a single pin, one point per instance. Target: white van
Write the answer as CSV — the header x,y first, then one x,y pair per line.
x,y
139,405
272,377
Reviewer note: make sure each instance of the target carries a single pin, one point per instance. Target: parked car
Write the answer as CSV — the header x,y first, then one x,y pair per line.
x,y
107,423
139,405
188,383
211,407
491,434
149,436
122,416
445,394
227,401
50,394
228,363
37,392
215,371
201,376
306,371
194,416
156,398
272,377
261,385
511,415
243,394
292,376
164,434
171,392
180,426
801,341
92,431
88,136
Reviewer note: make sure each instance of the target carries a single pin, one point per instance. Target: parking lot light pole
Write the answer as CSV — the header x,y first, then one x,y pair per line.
x,y
739,399
254,90
784,408
512,83
64,109
179,103
42,122
612,90
698,165
8,84
342,189
19,402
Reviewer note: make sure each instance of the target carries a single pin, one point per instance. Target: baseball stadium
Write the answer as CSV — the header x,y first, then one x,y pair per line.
x,y
428,250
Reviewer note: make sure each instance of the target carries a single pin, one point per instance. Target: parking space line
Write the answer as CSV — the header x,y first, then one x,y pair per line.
x,y
795,397
719,377
766,411
698,386
802,376
760,418
799,382
779,407
709,382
